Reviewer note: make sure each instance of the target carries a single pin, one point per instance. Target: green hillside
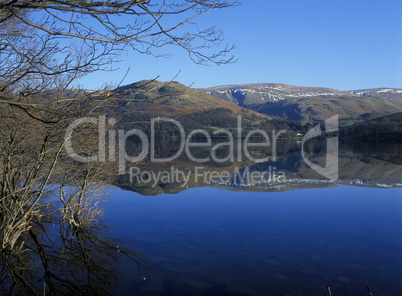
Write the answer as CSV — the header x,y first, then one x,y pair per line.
x,y
349,109
139,102
385,128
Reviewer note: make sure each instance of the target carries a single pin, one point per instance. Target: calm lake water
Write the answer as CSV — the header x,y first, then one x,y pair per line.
x,y
247,241
208,241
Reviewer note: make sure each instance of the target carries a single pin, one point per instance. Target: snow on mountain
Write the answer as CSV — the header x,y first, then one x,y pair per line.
x,y
249,94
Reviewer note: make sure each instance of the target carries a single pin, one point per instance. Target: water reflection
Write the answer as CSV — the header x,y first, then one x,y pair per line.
x,y
66,250
359,164
243,241
206,241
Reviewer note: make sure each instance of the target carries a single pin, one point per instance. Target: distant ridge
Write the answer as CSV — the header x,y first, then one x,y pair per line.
x,y
311,104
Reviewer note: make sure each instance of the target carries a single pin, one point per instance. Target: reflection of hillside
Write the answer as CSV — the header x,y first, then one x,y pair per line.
x,y
389,152
360,164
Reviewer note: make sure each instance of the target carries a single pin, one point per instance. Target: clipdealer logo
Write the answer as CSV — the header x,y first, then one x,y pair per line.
x,y
112,151
331,169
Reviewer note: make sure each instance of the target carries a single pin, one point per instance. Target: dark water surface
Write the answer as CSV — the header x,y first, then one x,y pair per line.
x,y
208,241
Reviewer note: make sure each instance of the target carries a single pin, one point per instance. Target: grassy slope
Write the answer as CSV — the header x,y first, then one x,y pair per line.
x,y
350,109
387,127
195,108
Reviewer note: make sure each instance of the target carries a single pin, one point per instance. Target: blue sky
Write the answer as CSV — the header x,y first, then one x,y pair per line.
x,y
338,44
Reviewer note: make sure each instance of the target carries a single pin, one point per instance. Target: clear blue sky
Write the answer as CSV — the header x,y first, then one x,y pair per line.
x,y
339,44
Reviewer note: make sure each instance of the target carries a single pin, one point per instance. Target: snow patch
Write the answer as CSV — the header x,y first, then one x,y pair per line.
x,y
384,185
385,90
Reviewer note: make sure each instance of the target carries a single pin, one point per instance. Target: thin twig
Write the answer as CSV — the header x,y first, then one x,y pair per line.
x,y
368,289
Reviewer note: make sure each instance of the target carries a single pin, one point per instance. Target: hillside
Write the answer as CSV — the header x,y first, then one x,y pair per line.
x,y
311,104
141,101
393,95
385,128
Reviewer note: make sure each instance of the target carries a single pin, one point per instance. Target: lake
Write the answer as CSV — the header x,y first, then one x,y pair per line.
x,y
293,237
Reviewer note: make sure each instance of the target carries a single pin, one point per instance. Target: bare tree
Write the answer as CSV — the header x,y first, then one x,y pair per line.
x,y
49,44
45,48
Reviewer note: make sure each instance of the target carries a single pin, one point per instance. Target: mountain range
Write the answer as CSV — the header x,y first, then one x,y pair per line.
x,y
264,105
311,104
365,114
